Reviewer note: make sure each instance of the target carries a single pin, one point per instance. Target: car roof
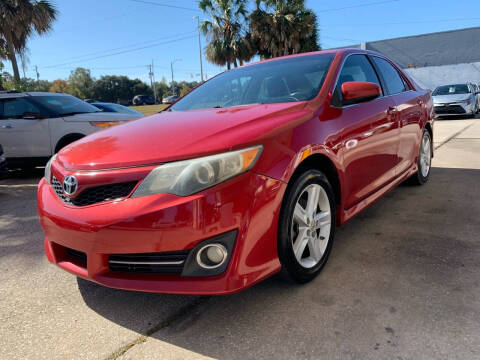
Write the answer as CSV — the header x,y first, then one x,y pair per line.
x,y
331,51
14,94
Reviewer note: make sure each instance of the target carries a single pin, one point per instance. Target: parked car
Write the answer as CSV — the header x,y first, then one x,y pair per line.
x,y
143,100
476,89
170,99
249,173
117,108
3,164
36,125
455,99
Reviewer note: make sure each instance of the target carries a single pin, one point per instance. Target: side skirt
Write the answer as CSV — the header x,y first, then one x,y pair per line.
x,y
346,215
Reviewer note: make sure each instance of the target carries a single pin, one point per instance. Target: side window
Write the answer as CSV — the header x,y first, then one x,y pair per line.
x,y
393,81
355,68
15,108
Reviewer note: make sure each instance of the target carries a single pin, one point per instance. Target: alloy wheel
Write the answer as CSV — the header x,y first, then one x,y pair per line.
x,y
425,155
311,223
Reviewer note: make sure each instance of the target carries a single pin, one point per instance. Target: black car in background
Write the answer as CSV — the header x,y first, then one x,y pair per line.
x,y
3,164
112,107
143,100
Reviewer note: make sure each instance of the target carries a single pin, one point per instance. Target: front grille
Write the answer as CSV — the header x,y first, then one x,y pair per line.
x,y
149,263
449,109
94,195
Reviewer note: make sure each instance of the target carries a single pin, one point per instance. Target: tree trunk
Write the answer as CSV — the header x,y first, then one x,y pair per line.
x,y
228,65
11,56
235,63
241,62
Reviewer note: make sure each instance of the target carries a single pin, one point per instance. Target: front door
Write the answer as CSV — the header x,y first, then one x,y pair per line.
x,y
20,137
371,135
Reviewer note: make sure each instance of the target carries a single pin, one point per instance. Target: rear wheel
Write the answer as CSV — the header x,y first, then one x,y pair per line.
x,y
307,226
424,160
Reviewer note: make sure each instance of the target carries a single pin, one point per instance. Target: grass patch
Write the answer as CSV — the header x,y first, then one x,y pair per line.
x,y
149,109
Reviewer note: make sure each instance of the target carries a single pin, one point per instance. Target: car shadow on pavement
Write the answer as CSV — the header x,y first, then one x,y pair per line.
x,y
405,267
20,234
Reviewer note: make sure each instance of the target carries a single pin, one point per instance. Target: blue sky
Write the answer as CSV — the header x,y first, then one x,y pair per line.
x,y
133,32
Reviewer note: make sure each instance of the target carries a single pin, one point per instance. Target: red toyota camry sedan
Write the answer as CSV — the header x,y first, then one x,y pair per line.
x,y
248,174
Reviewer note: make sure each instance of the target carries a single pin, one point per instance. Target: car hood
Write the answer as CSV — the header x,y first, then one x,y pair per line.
x,y
101,116
173,135
442,99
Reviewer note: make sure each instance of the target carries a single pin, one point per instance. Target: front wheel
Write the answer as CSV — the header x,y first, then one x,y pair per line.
x,y
306,226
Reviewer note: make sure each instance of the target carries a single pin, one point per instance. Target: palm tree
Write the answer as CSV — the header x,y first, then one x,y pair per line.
x,y
19,20
227,40
283,27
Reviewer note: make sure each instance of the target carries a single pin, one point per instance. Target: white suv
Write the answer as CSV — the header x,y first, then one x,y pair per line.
x,y
36,125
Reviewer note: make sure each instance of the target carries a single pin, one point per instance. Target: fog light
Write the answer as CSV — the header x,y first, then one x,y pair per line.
x,y
212,256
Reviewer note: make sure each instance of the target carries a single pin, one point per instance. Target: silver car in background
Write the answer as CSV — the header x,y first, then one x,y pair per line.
x,y
456,99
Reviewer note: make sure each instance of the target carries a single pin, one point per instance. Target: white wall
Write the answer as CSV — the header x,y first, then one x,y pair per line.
x,y
433,76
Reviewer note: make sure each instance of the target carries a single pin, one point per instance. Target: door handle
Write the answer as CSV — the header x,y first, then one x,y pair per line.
x,y
392,110
8,126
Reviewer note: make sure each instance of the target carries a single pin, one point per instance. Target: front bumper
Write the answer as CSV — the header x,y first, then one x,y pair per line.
x,y
248,204
453,109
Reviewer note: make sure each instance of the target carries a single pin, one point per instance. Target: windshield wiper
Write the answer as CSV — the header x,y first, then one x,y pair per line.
x,y
79,112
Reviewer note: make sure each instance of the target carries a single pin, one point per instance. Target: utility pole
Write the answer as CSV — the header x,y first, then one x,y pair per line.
x,y
199,48
152,81
171,68
36,71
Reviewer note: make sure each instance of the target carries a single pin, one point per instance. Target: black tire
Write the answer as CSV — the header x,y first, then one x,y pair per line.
x,y
66,141
290,264
418,178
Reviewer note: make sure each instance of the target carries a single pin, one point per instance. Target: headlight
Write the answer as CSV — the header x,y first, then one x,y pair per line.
x,y
105,124
187,177
48,173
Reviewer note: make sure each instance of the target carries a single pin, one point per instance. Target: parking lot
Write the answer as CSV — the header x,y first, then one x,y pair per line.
x,y
402,282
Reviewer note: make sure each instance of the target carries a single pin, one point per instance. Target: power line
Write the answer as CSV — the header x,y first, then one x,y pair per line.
x,y
122,52
356,6
165,5
404,22
127,46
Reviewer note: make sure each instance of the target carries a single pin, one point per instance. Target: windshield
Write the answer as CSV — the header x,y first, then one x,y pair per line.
x,y
116,108
451,90
64,105
287,80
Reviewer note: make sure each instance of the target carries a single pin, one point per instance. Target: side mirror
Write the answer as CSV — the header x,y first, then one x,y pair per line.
x,y
31,115
359,91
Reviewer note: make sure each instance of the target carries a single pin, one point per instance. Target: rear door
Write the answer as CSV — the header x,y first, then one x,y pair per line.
x,y
23,137
409,108
371,134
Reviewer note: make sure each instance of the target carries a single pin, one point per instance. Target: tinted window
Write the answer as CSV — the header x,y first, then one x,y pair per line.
x,y
15,108
64,105
393,81
288,80
355,68
451,89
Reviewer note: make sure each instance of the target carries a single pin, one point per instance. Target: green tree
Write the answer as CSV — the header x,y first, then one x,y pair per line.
x,y
227,40
118,89
60,86
80,83
19,20
283,27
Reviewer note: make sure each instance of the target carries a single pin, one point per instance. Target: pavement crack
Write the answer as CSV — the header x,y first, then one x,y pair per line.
x,y
179,314
453,136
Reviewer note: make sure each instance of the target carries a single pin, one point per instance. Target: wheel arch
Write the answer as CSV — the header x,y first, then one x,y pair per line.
x,y
324,164
67,139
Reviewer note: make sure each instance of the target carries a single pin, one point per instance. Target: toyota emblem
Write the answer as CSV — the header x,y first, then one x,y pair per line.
x,y
70,185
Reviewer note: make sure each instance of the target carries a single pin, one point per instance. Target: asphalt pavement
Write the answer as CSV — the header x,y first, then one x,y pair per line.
x,y
402,282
